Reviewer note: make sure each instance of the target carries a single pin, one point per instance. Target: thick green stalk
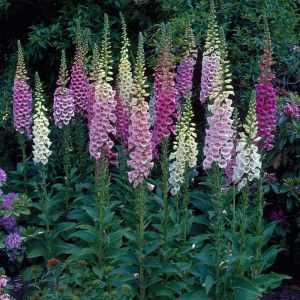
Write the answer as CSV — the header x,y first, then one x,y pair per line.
x,y
22,142
218,225
233,223
140,211
43,174
259,226
165,177
244,217
101,184
186,201
66,161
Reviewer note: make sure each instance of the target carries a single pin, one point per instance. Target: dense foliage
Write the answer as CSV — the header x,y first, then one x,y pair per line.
x,y
138,167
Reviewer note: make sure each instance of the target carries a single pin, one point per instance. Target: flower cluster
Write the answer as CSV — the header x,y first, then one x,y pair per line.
x,y
291,110
3,285
165,93
64,106
22,98
8,200
185,70
13,241
41,148
211,58
266,102
219,134
102,123
139,141
79,81
125,73
3,176
185,151
248,160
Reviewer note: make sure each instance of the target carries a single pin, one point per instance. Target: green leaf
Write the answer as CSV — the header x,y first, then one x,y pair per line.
x,y
245,284
198,295
84,235
37,251
208,283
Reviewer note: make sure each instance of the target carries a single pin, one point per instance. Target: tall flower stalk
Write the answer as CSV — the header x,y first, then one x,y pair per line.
x,y
184,77
219,134
22,108
140,157
211,58
266,101
79,79
247,167
64,111
102,131
165,92
183,158
41,150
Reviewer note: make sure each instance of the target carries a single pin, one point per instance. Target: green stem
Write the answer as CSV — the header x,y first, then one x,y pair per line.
x,y
186,201
244,215
101,182
218,225
140,210
234,208
165,177
259,227
46,210
66,159
22,142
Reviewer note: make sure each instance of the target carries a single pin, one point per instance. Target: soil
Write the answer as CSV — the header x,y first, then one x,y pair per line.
x,y
284,293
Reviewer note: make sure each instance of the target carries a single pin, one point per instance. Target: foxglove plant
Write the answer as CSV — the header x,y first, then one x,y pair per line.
x,y
165,93
79,80
248,160
64,106
102,126
266,101
22,98
139,141
219,135
185,70
291,110
211,58
41,148
185,151
64,110
183,159
140,156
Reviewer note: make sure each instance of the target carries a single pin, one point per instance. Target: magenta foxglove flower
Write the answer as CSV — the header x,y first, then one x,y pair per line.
x,y
266,101
64,106
22,98
291,110
165,94
79,79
